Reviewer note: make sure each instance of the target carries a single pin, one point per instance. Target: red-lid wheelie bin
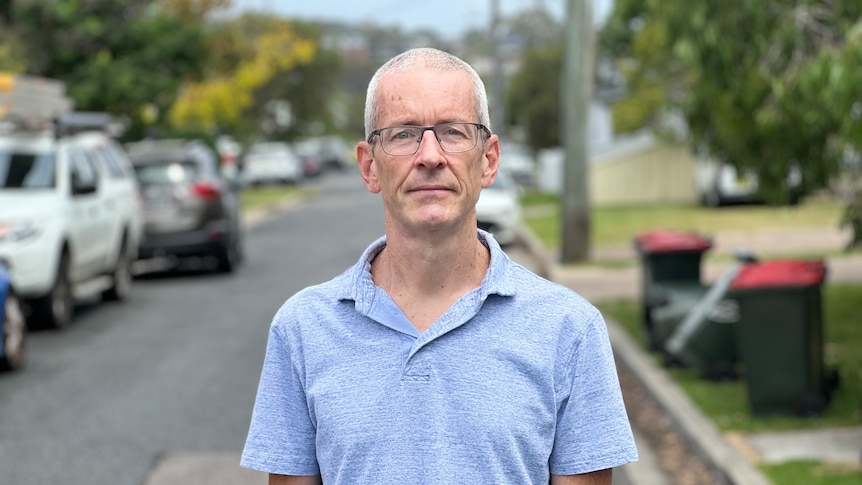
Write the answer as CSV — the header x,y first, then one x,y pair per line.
x,y
670,263
780,337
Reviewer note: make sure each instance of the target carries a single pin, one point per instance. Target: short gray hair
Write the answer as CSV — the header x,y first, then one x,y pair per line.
x,y
428,58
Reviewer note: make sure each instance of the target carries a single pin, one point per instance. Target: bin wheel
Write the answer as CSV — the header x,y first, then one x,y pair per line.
x,y
672,361
722,371
831,381
809,405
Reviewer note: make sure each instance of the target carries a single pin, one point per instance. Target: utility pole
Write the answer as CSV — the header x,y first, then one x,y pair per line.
x,y
577,91
498,118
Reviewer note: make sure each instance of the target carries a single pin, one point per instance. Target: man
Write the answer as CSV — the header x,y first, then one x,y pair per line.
x,y
436,359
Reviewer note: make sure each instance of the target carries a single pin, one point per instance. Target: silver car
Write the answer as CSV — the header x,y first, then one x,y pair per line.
x,y
271,162
189,208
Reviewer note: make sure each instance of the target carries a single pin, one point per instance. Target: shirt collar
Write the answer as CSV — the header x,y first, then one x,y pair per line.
x,y
357,285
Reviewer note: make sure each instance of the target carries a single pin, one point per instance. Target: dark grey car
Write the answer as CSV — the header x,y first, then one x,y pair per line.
x,y
189,208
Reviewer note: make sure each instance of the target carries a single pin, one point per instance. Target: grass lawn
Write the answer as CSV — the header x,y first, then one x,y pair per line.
x,y
613,226
252,198
813,473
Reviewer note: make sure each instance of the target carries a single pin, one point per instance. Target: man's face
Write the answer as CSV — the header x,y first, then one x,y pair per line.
x,y
430,189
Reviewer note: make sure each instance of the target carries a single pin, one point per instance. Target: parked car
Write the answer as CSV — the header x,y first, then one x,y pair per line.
x,y
518,160
331,151
70,216
271,162
720,183
13,329
310,160
190,209
498,209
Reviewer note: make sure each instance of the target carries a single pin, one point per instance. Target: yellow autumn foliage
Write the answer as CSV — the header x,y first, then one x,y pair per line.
x,y
223,100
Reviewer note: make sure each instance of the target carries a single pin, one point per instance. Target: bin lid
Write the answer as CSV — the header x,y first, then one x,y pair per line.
x,y
780,273
661,241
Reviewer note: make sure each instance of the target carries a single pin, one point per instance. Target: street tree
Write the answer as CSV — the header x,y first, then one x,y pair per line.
x,y
770,87
123,57
224,98
534,96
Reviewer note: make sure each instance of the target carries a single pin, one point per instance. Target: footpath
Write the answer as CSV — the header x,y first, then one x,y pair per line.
x,y
733,457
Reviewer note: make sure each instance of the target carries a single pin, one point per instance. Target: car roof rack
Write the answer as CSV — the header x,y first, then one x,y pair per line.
x,y
31,103
79,121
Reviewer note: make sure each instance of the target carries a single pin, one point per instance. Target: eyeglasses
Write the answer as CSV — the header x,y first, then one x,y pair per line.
x,y
453,137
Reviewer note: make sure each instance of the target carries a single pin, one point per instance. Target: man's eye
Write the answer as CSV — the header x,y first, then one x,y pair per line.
x,y
400,134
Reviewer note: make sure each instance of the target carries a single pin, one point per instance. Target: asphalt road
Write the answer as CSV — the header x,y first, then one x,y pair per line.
x,y
175,368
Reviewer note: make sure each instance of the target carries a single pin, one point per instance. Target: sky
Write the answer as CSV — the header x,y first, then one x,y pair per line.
x,y
450,18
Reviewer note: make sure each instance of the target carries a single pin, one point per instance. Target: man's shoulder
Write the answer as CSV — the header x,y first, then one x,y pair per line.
x,y
318,297
528,283
334,289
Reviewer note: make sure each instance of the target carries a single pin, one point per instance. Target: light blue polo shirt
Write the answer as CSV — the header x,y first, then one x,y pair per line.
x,y
514,382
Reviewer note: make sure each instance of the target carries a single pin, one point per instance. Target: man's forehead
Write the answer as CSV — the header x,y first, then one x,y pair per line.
x,y
448,95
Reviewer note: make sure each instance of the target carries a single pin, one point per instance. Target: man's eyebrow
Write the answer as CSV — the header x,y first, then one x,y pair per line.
x,y
412,122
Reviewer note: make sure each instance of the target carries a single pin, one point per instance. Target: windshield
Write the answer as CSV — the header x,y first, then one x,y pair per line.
x,y
170,173
26,171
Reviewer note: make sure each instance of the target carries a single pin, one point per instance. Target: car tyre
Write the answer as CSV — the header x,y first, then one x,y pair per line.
x,y
14,336
121,285
54,310
711,198
228,256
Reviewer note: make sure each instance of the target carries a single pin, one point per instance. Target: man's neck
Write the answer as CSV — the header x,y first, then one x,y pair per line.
x,y
426,276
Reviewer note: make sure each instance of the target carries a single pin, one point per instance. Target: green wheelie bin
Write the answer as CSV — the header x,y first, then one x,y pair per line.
x,y
670,263
705,338
780,337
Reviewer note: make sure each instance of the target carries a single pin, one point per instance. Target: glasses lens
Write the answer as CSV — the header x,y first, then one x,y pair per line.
x,y
457,137
400,140
453,138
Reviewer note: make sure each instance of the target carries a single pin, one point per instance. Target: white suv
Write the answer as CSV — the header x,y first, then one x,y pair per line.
x,y
70,220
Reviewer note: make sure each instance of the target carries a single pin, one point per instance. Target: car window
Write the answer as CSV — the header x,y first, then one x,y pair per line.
x,y
83,168
27,171
112,162
169,173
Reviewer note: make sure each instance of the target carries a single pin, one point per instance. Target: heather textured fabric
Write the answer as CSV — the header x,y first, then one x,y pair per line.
x,y
515,381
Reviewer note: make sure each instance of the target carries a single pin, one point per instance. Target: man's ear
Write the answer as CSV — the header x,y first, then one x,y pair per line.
x,y
367,166
490,161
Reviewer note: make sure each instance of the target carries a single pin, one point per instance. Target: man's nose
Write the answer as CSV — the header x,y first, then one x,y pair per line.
x,y
430,152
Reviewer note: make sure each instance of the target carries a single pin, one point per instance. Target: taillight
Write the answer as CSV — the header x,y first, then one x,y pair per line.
x,y
206,190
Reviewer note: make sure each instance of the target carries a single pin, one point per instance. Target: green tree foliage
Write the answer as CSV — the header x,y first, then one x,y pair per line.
x,y
534,96
767,86
120,56
266,47
311,88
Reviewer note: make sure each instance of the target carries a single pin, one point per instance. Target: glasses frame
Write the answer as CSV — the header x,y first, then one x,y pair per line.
x,y
480,128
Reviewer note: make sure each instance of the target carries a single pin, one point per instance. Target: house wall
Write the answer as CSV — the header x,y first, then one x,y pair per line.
x,y
660,173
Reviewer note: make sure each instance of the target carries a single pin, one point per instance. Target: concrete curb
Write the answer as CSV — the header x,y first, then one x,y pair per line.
x,y
687,419
728,465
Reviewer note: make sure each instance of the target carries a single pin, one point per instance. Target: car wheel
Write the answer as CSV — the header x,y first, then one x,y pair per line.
x,y
711,198
121,276
228,256
14,334
54,310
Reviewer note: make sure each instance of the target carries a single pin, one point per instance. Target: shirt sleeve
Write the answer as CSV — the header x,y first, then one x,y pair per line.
x,y
593,430
281,436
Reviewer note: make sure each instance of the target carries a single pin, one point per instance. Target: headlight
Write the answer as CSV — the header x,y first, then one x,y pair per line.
x,y
18,230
